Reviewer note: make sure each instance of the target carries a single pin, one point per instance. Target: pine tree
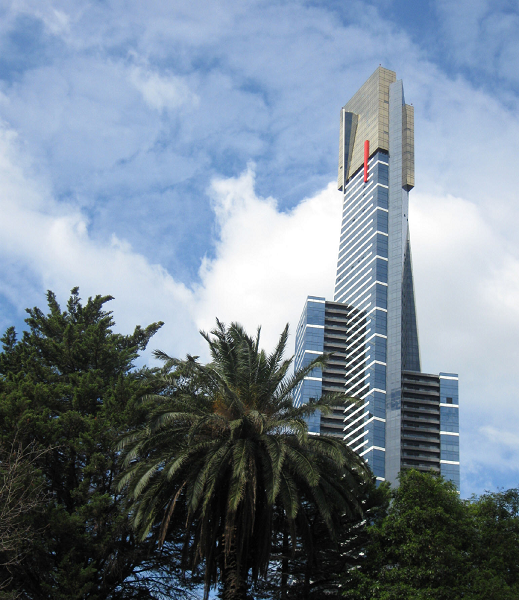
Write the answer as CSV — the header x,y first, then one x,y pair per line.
x,y
69,386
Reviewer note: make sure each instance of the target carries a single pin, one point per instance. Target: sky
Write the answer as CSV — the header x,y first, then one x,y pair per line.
x,y
182,157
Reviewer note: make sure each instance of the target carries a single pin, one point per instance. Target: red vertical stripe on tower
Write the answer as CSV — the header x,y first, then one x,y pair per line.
x,y
366,156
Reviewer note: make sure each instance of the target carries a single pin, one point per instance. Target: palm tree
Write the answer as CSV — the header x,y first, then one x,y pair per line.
x,y
228,445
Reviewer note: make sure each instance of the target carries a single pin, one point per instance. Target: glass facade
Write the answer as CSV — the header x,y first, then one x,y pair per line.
x,y
399,419
323,328
450,427
361,283
309,344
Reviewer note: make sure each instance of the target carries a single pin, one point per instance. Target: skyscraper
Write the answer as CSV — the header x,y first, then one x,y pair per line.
x,y
403,418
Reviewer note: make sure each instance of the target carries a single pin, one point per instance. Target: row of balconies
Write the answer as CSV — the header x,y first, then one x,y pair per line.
x,y
337,424
420,465
419,379
425,392
427,427
425,456
421,418
406,385
335,372
433,385
332,389
426,410
421,401
339,353
339,340
421,447
421,397
340,329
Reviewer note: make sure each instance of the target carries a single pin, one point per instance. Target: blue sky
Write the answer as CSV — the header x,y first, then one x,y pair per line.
x,y
182,157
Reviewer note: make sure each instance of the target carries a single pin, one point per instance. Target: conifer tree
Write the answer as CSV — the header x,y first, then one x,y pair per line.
x,y
69,386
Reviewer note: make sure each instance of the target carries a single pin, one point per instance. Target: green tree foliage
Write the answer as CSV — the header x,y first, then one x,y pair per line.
x,y
315,570
70,386
432,544
234,453
419,550
495,556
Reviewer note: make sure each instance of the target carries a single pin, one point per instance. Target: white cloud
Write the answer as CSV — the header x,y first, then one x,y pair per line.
x,y
467,292
264,259
267,261
467,285
500,437
489,455
162,91
483,35
55,20
50,242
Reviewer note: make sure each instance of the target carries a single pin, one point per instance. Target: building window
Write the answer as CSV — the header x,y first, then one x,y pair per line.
x,y
449,400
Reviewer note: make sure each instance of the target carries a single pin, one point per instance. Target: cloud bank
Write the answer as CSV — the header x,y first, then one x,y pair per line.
x,y
263,258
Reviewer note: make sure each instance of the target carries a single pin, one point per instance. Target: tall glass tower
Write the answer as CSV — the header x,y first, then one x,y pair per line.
x,y
399,418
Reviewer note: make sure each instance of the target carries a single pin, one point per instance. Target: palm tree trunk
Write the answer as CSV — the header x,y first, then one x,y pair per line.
x,y
234,574
234,583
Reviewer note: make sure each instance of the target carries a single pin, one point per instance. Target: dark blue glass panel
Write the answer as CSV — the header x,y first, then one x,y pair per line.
x,y
382,245
449,419
382,197
381,267
381,296
378,463
382,221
